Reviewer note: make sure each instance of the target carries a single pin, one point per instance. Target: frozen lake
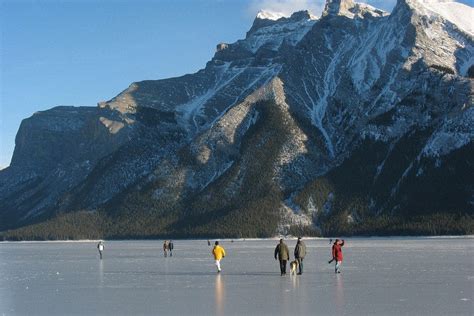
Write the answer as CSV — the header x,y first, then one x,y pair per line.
x,y
408,276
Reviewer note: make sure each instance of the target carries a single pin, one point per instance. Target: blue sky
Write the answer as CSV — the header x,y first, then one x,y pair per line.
x,y
80,52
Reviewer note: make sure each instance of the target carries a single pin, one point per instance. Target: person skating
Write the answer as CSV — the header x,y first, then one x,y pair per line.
x,y
100,247
170,248
218,253
165,248
337,254
282,252
300,253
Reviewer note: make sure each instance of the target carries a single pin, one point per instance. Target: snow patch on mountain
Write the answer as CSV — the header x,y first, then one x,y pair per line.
x,y
380,39
442,143
453,134
290,30
291,217
458,13
191,111
330,83
351,9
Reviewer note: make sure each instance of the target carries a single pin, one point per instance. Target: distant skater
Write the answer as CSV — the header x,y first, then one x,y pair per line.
x,y
218,253
208,242
100,247
337,254
300,253
170,248
283,254
165,248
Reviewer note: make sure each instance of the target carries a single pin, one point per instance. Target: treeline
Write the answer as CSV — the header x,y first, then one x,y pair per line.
x,y
69,226
422,225
97,225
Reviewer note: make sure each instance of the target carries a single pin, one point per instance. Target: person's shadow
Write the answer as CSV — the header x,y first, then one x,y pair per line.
x,y
219,295
340,293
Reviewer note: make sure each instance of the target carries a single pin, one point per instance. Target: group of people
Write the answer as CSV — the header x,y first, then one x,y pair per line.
x,y
167,248
282,253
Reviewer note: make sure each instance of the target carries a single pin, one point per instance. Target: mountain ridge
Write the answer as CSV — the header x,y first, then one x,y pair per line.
x,y
380,101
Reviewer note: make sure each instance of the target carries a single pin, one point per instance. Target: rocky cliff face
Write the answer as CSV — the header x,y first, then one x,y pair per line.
x,y
56,150
357,115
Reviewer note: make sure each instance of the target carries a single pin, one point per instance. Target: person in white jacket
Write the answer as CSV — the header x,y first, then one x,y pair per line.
x,y
100,247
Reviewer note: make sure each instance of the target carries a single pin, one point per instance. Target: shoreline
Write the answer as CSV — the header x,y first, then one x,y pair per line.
x,y
244,239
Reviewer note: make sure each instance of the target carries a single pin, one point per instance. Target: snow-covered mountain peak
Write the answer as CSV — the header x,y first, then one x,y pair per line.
x,y
443,27
272,33
350,9
275,16
303,15
270,18
436,1
337,7
457,13
270,15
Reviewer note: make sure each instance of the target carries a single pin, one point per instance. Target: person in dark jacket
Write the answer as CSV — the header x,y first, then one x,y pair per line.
x,y
283,254
300,253
170,248
337,254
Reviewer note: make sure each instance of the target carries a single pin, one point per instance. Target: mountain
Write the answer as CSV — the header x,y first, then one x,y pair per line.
x,y
357,122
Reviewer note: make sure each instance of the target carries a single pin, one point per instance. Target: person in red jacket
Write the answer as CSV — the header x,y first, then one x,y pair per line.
x,y
337,254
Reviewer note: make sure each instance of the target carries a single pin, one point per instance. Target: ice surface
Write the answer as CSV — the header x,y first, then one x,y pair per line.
x,y
396,276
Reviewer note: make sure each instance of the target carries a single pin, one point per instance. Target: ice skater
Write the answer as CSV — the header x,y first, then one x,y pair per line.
x,y
282,252
100,247
337,255
218,253
165,248
208,242
300,253
170,248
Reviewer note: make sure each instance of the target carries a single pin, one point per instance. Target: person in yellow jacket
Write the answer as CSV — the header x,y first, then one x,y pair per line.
x,y
218,253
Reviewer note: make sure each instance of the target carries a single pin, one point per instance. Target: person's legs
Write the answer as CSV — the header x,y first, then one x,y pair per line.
x,y
284,266
281,267
300,265
100,253
338,267
218,265
171,253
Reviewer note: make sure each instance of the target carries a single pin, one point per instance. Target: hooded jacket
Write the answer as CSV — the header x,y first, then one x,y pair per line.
x,y
300,250
282,251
